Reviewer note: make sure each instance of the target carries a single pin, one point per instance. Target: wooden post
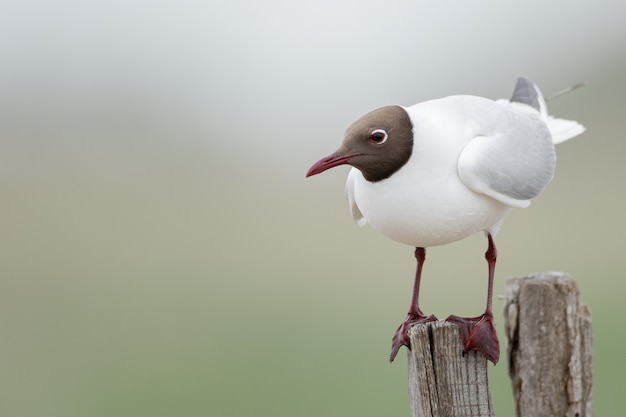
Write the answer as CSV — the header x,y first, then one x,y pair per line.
x,y
550,357
444,381
549,346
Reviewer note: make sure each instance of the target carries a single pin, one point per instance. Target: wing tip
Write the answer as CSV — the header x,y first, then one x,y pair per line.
x,y
527,92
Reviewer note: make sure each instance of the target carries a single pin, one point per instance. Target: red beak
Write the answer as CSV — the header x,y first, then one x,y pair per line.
x,y
328,162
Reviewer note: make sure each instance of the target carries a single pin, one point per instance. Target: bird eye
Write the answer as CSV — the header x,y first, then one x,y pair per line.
x,y
378,136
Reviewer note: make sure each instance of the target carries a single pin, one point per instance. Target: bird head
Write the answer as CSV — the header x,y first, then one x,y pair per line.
x,y
377,144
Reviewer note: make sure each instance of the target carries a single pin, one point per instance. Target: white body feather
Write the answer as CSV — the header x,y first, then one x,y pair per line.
x,y
473,160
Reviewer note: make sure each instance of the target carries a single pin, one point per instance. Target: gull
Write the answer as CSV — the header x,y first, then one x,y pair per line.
x,y
445,169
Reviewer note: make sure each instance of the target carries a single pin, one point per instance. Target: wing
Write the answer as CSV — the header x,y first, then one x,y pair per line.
x,y
513,163
527,92
354,209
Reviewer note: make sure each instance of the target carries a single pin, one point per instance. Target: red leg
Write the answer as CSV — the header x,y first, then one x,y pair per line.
x,y
415,315
479,333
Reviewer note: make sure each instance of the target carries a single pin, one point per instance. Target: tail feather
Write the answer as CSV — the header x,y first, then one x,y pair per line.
x,y
527,92
562,130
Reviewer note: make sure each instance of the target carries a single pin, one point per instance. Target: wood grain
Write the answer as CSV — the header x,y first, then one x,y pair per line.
x,y
444,381
549,346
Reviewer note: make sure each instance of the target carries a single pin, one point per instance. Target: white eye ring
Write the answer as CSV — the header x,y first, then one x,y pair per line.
x,y
379,136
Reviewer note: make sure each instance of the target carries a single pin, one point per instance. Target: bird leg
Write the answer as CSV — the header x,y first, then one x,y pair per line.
x,y
479,333
415,314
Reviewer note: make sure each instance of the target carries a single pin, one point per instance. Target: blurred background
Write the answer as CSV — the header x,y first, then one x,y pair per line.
x,y
161,252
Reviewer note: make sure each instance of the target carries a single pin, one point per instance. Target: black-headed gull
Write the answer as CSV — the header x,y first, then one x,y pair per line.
x,y
442,170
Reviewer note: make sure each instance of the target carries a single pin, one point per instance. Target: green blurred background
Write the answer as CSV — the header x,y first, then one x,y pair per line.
x,y
161,253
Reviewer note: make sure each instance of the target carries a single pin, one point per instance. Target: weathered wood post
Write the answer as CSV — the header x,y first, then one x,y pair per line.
x,y
444,381
549,346
550,362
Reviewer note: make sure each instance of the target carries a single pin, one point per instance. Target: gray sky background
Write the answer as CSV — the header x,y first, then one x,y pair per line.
x,y
257,72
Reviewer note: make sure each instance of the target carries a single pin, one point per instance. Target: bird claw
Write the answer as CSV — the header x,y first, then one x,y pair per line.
x,y
401,337
479,333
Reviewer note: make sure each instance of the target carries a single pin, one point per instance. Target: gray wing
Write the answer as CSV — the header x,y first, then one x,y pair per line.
x,y
511,164
527,92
